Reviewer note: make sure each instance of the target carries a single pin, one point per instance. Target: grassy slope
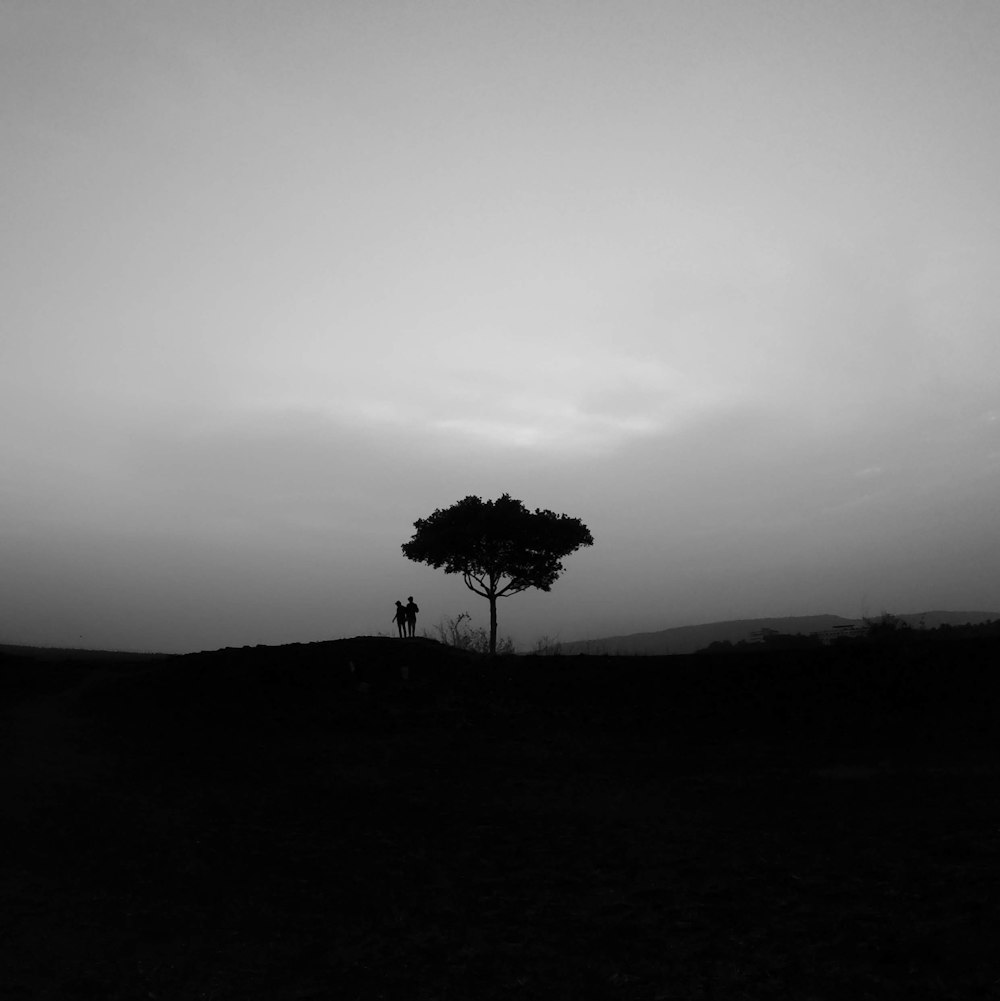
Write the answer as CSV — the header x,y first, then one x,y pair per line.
x,y
272,824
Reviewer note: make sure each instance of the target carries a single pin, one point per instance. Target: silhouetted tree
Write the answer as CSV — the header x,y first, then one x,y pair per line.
x,y
499,547
887,628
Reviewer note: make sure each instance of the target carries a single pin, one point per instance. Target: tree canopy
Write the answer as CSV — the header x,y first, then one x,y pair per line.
x,y
499,547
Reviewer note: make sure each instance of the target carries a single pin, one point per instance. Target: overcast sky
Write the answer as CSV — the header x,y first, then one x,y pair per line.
x,y
719,277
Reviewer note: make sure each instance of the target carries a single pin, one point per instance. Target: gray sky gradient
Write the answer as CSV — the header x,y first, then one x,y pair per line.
x,y
719,278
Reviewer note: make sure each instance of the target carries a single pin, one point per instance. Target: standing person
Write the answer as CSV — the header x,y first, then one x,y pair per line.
x,y
400,619
411,615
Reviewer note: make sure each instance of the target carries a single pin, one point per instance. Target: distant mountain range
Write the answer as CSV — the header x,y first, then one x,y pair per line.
x,y
688,639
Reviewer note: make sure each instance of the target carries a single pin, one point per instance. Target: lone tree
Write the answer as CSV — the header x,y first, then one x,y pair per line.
x,y
499,547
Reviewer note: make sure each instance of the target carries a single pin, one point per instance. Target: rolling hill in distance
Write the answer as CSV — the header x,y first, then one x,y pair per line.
x,y
677,640
688,639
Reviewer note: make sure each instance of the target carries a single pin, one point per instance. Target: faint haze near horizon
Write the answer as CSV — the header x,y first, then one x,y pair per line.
x,y
718,278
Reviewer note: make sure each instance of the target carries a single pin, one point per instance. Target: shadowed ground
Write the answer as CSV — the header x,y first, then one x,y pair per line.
x,y
304,822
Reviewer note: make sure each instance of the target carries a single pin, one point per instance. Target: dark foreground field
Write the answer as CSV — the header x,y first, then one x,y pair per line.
x,y
269,824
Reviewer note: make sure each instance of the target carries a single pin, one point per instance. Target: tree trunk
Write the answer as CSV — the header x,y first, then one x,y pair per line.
x,y
493,624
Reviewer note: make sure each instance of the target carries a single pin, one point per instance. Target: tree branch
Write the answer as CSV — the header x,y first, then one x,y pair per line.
x,y
468,583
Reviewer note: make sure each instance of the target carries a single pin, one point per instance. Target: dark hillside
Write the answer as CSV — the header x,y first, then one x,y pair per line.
x,y
375,818
688,639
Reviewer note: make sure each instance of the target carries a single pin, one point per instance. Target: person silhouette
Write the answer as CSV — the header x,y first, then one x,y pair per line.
x,y
400,619
411,615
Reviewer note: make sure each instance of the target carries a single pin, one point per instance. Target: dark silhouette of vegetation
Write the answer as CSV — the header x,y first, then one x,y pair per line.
x,y
772,641
473,639
886,626
885,633
499,547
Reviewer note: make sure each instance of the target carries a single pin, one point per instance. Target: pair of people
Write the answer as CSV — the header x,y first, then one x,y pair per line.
x,y
406,617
